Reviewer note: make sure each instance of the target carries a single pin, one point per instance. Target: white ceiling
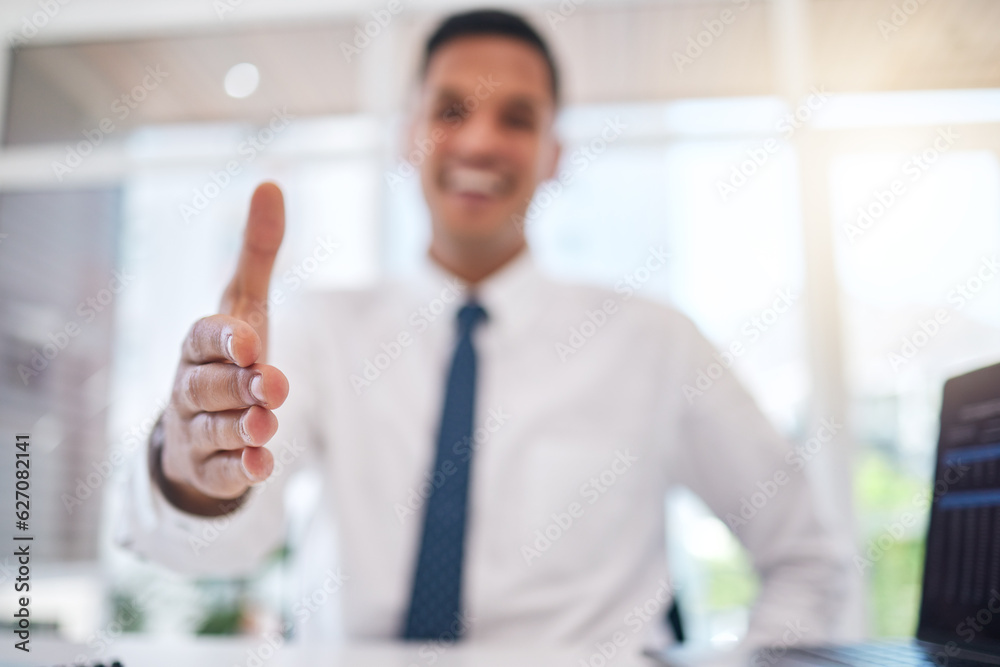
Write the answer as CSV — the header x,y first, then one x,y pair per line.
x,y
94,50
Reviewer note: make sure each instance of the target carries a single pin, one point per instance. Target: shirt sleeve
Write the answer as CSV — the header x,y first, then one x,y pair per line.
x,y
237,543
732,457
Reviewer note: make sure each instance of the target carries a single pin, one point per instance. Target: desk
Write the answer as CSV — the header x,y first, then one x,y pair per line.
x,y
243,652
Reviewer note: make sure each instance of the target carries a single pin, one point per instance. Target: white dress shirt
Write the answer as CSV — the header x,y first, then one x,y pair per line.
x,y
582,427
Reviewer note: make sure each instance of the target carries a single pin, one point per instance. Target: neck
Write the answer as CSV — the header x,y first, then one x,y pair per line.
x,y
473,264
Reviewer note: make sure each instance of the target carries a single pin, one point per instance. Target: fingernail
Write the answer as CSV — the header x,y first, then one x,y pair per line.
x,y
229,347
253,480
242,427
257,388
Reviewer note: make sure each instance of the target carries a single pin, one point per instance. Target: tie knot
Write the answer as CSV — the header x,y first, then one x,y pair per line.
x,y
469,316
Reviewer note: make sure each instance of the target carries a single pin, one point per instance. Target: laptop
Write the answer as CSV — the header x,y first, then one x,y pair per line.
x,y
959,622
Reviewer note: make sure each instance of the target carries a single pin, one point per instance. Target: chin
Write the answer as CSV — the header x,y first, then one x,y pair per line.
x,y
475,229
477,220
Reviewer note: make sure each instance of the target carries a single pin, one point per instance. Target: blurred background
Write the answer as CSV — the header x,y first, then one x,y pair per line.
x,y
840,156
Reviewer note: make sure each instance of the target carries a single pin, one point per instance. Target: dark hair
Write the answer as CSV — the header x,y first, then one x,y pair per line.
x,y
490,22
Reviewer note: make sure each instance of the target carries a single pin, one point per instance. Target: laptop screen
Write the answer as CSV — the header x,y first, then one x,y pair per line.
x,y
961,592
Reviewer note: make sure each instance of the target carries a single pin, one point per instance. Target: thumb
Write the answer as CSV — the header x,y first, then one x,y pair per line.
x,y
246,296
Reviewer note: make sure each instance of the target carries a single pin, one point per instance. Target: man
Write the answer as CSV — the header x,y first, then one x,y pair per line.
x,y
482,484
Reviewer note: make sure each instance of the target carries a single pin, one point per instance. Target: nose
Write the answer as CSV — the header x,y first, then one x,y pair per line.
x,y
477,137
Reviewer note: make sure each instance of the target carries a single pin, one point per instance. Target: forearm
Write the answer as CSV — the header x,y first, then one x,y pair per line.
x,y
804,567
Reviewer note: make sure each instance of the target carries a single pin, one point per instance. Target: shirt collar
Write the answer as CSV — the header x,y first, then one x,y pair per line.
x,y
510,295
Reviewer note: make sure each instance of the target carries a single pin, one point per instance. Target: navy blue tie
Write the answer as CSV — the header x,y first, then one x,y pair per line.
x,y
435,612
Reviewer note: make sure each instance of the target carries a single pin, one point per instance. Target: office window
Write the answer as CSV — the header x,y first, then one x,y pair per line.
x,y
917,269
59,297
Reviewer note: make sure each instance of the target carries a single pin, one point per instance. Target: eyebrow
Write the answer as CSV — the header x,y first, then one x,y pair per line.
x,y
447,94
531,103
528,101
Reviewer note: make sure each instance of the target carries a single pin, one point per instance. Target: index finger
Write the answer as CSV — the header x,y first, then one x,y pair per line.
x,y
246,295
221,338
261,239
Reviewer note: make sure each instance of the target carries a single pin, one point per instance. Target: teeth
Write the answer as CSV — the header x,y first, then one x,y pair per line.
x,y
475,181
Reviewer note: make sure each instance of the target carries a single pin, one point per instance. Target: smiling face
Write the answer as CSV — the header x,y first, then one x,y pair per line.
x,y
484,124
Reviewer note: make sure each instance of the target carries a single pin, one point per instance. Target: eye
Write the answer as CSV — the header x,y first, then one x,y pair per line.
x,y
447,112
519,117
520,121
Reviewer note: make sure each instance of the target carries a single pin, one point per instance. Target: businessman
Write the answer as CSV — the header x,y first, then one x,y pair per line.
x,y
483,484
